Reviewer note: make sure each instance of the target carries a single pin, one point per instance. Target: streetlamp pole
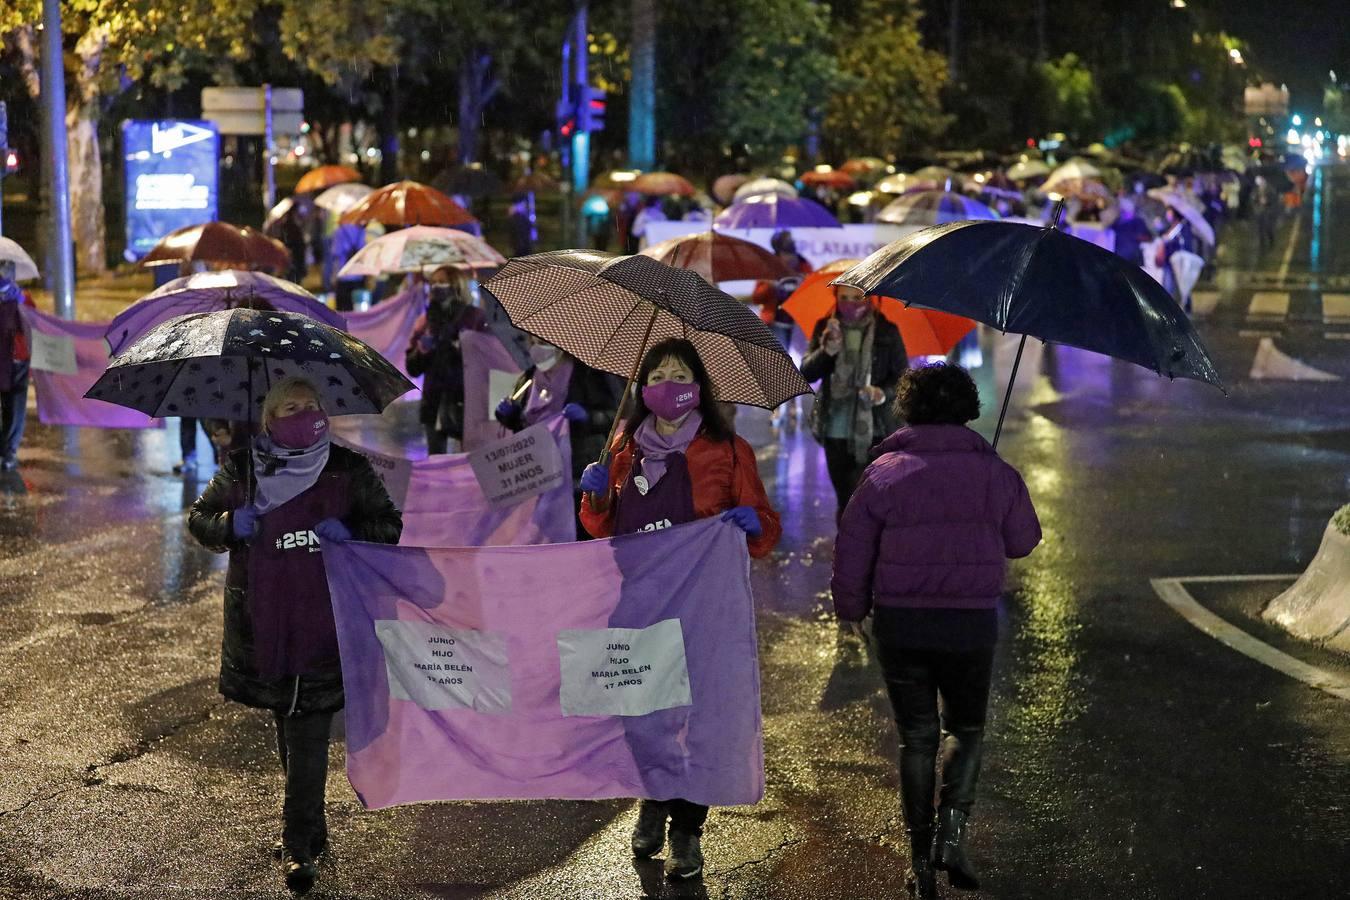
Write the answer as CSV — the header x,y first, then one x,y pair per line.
x,y
61,262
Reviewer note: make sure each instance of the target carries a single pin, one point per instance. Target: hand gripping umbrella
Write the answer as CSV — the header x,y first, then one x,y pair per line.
x,y
606,310
1043,283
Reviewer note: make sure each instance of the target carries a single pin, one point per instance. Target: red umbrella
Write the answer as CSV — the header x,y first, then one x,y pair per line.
x,y
926,332
840,181
719,257
219,243
325,177
662,184
408,203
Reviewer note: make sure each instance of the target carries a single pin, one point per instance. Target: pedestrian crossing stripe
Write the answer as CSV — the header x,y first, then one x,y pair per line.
x,y
1336,309
1268,304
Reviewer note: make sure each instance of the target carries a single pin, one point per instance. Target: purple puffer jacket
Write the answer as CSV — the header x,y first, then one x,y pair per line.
x,y
931,525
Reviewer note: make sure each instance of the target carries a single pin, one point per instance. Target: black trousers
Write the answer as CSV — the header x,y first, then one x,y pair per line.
x,y
685,817
844,469
343,291
916,680
302,745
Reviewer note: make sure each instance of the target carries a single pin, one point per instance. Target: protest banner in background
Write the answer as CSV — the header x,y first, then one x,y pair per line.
x,y
388,326
490,371
444,506
68,357
519,466
615,668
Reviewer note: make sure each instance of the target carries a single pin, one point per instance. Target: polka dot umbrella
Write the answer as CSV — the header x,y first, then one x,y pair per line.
x,y
220,365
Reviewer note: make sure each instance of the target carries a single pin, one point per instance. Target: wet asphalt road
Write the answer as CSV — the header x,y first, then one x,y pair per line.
x,y
1129,755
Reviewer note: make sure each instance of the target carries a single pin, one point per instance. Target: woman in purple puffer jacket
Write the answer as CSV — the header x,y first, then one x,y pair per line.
x,y
923,546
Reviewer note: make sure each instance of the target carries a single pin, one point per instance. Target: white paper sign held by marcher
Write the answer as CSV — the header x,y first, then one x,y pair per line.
x,y
519,466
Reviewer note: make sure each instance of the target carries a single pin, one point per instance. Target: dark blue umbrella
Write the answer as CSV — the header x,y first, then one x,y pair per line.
x,y
1043,283
774,211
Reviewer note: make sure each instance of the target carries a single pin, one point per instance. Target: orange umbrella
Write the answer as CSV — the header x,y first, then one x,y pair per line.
x,y
926,332
662,184
840,181
719,257
222,244
408,203
325,177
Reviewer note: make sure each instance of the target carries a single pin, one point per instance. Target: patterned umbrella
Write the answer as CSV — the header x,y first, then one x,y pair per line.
x,y
325,177
606,310
775,211
213,292
422,248
925,332
221,364
719,257
662,184
24,267
933,208
408,203
341,197
220,243
763,186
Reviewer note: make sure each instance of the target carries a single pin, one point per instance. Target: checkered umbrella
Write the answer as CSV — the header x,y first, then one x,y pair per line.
x,y
606,310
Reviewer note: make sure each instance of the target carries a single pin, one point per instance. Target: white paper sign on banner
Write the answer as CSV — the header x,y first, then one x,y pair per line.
x,y
500,386
518,466
623,671
446,668
53,353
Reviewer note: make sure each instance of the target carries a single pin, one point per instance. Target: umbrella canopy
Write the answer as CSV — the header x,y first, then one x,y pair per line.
x,y
325,177
422,248
276,214
1026,169
725,187
221,364
662,184
925,332
222,244
900,183
1191,213
840,181
606,310
759,186
408,203
535,182
938,174
24,267
933,208
775,211
468,181
864,166
213,292
341,197
1071,171
616,180
719,257
1043,283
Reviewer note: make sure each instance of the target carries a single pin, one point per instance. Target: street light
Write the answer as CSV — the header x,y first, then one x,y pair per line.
x,y
1178,4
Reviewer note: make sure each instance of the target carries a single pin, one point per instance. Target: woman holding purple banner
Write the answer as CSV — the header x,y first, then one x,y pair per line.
x,y
677,460
280,649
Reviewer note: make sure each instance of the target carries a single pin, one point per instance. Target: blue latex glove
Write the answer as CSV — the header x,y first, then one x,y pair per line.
x,y
244,523
575,412
333,530
745,518
595,480
508,409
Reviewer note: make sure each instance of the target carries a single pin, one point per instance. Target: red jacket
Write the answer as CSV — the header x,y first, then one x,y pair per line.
x,y
724,476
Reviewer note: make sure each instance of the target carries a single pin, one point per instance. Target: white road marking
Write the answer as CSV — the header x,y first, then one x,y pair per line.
x,y
1335,308
1172,591
1289,251
1336,335
1269,304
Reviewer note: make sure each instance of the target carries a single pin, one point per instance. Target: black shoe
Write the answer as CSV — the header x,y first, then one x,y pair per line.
x,y
921,879
650,831
318,846
686,856
949,851
299,870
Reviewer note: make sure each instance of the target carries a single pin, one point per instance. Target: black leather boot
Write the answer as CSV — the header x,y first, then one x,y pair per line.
x,y
921,879
649,833
949,851
299,871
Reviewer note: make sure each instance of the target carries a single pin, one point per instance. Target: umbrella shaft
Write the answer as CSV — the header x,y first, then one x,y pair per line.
x,y
1007,396
596,500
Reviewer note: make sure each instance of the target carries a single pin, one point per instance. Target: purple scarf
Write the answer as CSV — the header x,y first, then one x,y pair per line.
x,y
548,392
656,447
285,474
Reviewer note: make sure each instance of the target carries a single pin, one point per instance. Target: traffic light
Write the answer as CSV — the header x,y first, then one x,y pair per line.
x,y
11,160
591,109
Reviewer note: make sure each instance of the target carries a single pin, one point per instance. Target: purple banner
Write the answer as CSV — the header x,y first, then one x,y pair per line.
x,y
617,668
68,357
489,373
388,326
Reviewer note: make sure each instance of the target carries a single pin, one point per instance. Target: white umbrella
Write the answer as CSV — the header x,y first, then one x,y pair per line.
x,y
1192,214
341,197
24,267
277,213
421,248
1073,170
901,183
1028,168
764,186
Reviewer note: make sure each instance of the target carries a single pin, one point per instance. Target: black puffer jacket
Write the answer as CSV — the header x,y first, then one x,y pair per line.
x,y
371,516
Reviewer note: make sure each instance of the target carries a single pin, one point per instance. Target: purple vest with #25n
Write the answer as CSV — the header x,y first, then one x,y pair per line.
x,y
293,629
669,502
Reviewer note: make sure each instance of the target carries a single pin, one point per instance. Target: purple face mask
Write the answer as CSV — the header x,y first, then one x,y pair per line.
x,y
670,399
854,312
299,430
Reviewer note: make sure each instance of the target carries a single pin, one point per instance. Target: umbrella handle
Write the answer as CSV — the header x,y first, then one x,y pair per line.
x,y
1007,397
599,503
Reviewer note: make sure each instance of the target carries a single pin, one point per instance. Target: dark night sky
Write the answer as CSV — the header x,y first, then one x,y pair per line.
x,y
1295,41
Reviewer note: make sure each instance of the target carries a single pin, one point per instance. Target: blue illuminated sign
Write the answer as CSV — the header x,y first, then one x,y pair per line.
x,y
171,172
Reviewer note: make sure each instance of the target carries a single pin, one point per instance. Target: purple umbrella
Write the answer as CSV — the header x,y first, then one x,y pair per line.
x,y
933,208
212,292
775,211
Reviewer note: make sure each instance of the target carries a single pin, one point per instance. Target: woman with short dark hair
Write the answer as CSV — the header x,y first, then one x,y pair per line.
x,y
923,547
